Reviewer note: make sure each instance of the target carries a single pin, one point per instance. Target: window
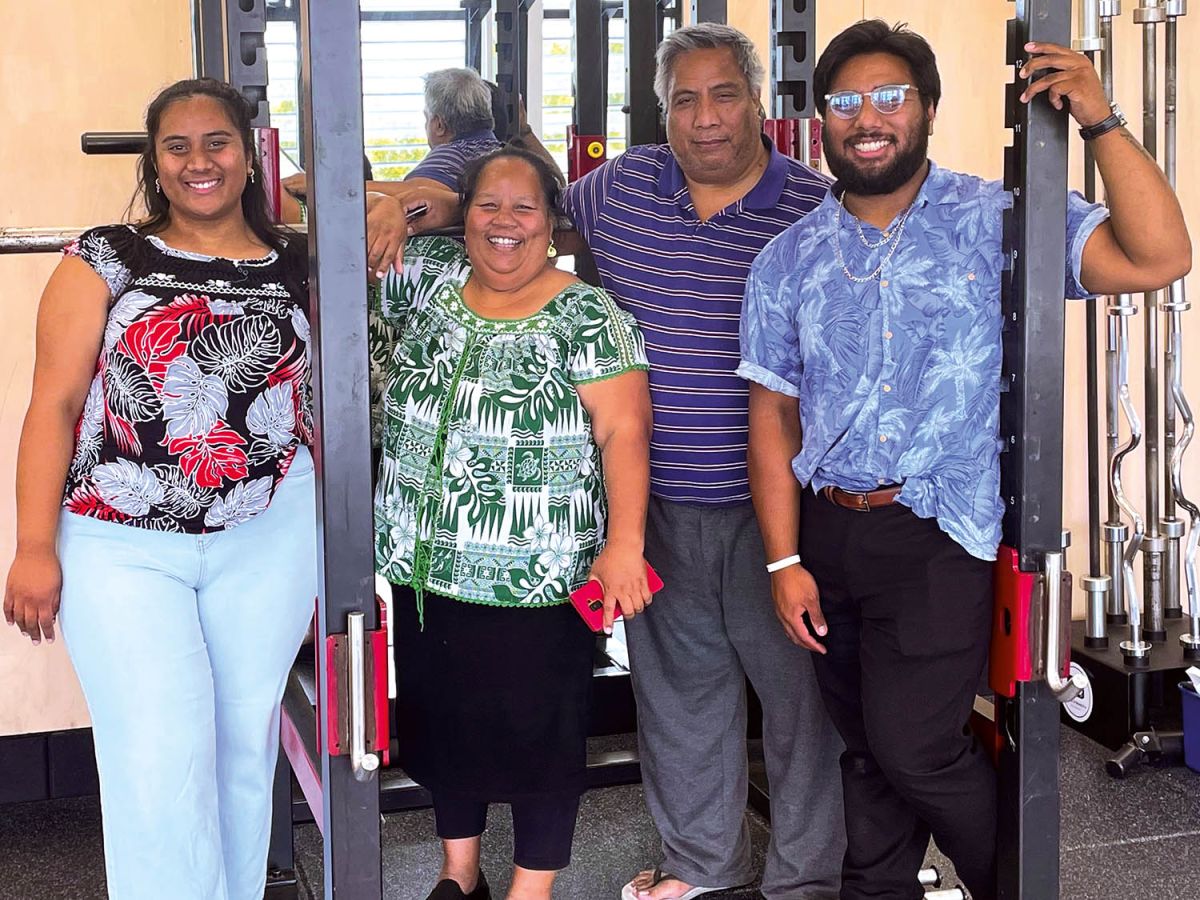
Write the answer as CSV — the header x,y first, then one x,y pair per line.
x,y
558,90
403,39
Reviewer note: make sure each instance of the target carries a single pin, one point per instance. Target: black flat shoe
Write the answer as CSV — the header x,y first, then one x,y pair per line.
x,y
448,889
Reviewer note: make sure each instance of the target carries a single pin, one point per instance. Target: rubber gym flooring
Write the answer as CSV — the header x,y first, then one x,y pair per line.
x,y
1139,838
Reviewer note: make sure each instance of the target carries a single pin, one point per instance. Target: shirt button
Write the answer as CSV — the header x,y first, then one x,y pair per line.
x,y
970,276
883,283
888,335
883,439
887,388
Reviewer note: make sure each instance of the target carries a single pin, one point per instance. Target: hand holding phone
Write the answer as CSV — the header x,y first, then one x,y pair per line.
x,y
589,600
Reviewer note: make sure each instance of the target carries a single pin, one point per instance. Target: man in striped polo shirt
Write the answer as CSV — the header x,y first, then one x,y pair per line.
x,y
458,126
673,230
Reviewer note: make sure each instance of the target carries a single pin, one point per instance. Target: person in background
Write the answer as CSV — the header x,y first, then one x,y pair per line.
x,y
166,499
515,426
871,334
458,127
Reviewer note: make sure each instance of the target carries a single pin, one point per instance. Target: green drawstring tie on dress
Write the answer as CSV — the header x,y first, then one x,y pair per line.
x,y
422,558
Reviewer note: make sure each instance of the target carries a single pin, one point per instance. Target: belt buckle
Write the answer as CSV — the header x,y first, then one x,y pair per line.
x,y
864,501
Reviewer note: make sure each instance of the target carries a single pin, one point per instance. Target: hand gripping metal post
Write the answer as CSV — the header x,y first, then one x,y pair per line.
x,y
1135,650
1149,14
1172,525
1115,533
1096,584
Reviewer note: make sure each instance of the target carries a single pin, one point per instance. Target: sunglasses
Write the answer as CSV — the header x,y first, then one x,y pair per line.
x,y
887,99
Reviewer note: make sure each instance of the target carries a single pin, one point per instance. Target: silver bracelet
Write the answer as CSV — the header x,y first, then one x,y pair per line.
x,y
793,560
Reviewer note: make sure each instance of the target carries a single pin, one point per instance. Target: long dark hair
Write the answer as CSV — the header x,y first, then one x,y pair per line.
x,y
254,196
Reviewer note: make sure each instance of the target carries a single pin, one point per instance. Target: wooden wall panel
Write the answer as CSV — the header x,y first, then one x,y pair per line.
x,y
66,66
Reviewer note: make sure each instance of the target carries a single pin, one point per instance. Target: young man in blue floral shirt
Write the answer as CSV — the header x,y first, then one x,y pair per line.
x,y
871,337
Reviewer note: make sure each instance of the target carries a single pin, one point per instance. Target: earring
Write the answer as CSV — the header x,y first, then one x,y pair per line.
x,y
157,187
551,251
252,176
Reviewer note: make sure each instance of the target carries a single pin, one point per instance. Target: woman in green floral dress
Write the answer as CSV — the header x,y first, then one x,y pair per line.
x,y
515,432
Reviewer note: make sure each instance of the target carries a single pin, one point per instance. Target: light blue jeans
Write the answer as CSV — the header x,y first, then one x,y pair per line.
x,y
182,644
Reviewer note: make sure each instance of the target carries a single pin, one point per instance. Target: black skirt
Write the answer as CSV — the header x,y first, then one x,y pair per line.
x,y
492,703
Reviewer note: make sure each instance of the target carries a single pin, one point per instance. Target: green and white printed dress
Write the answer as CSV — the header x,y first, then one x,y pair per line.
x,y
491,489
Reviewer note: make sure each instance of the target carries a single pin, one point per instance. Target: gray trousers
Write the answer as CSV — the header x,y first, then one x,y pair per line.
x,y
712,625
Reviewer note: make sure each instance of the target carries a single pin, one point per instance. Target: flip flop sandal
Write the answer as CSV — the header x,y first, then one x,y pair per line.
x,y
629,892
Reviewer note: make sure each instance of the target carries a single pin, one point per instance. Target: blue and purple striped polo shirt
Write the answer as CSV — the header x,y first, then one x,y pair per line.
x,y
683,280
446,162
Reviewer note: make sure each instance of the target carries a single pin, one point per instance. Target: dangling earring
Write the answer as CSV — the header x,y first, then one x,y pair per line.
x,y
157,187
551,252
252,176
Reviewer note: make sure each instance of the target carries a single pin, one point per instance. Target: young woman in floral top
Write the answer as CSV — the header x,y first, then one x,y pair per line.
x,y
516,425
165,494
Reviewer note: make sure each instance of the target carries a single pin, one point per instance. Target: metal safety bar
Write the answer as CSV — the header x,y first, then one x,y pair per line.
x,y
1096,584
1064,689
1177,444
362,762
14,241
1114,533
1149,14
1172,525
1135,649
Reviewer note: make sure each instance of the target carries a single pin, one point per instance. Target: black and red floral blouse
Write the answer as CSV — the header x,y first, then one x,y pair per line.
x,y
202,389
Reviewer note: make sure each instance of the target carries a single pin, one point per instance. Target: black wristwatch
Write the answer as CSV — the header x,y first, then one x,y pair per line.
x,y
1116,119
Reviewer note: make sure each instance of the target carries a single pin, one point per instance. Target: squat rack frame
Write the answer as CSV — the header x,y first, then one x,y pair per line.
x,y
1028,656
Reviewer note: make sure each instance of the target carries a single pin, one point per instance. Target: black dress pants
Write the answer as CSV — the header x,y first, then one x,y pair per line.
x,y
909,614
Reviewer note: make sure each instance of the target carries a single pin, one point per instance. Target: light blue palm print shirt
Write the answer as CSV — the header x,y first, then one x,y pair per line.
x,y
898,378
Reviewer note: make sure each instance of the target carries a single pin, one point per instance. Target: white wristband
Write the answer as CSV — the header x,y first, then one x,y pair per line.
x,y
793,560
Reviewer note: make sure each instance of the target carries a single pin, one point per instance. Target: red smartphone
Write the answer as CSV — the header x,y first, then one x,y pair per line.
x,y
589,600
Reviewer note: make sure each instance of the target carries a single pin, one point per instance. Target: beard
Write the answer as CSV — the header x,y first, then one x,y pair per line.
x,y
911,152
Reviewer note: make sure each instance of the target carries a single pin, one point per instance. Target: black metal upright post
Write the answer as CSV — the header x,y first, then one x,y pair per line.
x,y
793,56
588,144
246,67
589,52
1031,427
710,11
331,76
475,12
512,56
208,38
641,40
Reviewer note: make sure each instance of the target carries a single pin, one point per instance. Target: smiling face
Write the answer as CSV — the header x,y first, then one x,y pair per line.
x,y
714,123
873,153
508,225
201,162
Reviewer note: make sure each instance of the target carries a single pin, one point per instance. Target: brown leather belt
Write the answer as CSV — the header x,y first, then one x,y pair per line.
x,y
862,501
